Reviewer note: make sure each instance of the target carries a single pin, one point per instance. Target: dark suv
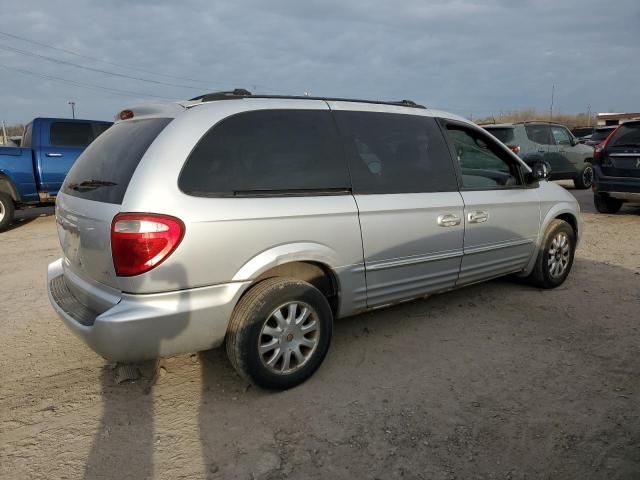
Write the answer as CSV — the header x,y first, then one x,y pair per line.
x,y
617,169
550,142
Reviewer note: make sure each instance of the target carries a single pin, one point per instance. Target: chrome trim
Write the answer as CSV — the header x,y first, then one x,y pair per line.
x,y
625,195
625,154
448,220
479,216
496,246
414,260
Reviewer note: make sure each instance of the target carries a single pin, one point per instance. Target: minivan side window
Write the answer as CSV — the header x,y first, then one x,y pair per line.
x,y
484,165
269,152
539,133
396,153
70,134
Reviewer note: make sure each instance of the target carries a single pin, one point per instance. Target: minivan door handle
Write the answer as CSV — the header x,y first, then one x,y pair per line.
x,y
479,216
50,154
448,220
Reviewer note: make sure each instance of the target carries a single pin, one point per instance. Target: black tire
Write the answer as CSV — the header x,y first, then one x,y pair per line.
x,y
606,204
541,276
253,312
584,179
7,211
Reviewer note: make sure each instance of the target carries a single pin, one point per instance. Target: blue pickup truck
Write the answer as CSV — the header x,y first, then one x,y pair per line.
x,y
32,174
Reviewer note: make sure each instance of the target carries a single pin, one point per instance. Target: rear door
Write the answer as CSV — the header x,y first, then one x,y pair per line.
x,y
409,207
545,147
501,213
62,142
568,155
92,195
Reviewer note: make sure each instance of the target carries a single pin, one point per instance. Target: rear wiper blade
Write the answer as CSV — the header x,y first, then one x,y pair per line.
x,y
87,185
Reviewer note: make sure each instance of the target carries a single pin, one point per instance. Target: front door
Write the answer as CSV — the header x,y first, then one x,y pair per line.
x,y
501,213
411,213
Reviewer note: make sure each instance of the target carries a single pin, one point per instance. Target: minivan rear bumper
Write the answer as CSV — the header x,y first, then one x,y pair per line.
x,y
141,327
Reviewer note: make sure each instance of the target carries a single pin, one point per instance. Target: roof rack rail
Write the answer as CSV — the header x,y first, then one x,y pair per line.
x,y
537,121
242,93
224,95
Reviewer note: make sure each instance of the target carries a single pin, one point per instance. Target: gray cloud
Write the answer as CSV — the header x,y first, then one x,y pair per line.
x,y
472,57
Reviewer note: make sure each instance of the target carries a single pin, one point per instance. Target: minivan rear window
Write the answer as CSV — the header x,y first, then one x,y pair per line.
x,y
270,152
103,171
505,135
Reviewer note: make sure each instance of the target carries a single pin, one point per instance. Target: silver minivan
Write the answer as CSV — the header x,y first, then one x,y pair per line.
x,y
255,221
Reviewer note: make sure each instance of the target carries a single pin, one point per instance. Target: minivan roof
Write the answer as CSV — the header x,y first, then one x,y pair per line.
x,y
173,109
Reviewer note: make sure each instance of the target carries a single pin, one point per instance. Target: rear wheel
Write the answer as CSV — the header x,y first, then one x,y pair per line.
x,y
555,257
279,333
584,179
606,204
7,211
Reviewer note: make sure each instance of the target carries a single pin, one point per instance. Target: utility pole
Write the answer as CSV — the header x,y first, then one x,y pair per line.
x,y
589,115
553,89
73,108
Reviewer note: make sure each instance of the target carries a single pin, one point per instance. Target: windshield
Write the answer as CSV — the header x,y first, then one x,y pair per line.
x,y
505,135
626,136
103,171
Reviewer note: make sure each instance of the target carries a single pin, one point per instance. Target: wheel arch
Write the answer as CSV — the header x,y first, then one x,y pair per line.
x,y
7,186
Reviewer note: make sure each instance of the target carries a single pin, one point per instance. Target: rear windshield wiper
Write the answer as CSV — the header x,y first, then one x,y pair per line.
x,y
88,185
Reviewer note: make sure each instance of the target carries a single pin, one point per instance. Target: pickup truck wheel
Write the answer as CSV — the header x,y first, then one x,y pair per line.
x,y
555,257
606,204
279,333
7,211
584,179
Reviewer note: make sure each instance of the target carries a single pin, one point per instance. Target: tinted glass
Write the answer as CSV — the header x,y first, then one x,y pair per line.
x,y
70,134
103,171
26,140
539,134
392,153
100,128
626,136
277,151
600,135
505,135
482,162
561,136
582,131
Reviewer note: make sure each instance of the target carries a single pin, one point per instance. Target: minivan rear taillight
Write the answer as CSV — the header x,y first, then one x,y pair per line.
x,y
142,241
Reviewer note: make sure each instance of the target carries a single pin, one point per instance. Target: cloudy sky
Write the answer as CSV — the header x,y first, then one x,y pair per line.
x,y
472,57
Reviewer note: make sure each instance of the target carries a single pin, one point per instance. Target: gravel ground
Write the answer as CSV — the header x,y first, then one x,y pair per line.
x,y
497,380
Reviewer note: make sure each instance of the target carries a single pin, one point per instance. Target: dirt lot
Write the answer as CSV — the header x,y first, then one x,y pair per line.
x,y
498,380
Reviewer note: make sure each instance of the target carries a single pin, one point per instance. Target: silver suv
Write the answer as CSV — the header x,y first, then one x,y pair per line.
x,y
255,221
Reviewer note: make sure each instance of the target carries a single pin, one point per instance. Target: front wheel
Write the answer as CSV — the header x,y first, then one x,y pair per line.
x,y
606,204
555,257
584,179
279,333
7,211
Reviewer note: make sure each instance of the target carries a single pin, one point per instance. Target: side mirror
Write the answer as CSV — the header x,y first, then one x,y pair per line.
x,y
574,141
540,170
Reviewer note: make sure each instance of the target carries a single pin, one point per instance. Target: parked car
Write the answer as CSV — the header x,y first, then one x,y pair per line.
x,y
617,169
598,136
582,132
255,221
32,174
550,142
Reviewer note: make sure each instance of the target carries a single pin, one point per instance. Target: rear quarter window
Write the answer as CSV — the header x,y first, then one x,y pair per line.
x,y
268,152
103,171
505,135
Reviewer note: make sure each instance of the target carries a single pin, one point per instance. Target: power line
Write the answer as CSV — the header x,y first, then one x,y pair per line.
x,y
99,70
126,93
95,59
